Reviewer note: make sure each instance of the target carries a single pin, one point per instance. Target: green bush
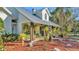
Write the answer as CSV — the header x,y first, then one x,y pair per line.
x,y
1,40
9,37
27,35
37,34
24,35
1,43
46,38
1,47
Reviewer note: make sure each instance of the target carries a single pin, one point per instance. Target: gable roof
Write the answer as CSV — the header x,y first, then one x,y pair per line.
x,y
47,10
34,19
30,16
5,10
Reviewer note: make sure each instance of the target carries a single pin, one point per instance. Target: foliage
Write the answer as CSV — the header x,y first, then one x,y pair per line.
x,y
9,37
1,40
37,30
22,35
1,30
1,24
63,17
56,31
1,44
25,27
76,27
46,29
1,47
46,37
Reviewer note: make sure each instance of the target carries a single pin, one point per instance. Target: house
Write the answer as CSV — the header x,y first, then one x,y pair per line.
x,y
17,20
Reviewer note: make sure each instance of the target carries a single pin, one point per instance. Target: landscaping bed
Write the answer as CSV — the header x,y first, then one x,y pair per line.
x,y
39,46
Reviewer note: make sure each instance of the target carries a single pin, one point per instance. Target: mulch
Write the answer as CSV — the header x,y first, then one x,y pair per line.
x,y
38,46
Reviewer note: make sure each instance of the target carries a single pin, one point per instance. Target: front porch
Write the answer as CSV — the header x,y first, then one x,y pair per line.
x,y
37,31
36,34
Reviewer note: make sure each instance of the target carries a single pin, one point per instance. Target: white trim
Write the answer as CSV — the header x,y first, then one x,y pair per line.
x,y
7,10
47,11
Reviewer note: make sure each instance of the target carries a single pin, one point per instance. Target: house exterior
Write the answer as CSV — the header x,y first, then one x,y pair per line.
x,y
18,20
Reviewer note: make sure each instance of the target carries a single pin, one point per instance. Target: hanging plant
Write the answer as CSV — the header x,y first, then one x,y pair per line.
x,y
54,31
46,28
37,30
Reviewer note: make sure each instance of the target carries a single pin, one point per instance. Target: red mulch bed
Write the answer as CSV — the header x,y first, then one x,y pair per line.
x,y
38,46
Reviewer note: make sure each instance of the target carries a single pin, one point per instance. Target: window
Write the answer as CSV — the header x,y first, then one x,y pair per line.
x,y
14,21
45,16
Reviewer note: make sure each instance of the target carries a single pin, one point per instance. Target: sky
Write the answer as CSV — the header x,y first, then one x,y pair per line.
x,y
75,10
39,8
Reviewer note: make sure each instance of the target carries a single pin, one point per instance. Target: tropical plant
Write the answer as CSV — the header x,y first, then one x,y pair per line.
x,y
63,17
23,35
9,37
37,30
55,31
46,33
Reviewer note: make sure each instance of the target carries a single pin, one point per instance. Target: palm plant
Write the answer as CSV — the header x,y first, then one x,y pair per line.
x,y
63,17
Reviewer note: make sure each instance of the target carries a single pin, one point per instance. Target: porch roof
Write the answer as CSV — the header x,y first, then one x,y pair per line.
x,y
34,19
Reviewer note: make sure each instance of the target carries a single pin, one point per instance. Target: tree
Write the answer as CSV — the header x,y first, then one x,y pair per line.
x,y
1,24
63,17
76,27
1,28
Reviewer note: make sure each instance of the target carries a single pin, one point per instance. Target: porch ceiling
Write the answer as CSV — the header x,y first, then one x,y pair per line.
x,y
34,19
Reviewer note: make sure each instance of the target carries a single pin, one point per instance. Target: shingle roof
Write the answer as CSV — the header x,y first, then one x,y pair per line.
x,y
5,10
34,19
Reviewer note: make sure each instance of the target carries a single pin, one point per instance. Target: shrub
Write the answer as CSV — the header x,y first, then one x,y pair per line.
x,y
1,44
22,35
37,34
9,37
1,40
1,47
